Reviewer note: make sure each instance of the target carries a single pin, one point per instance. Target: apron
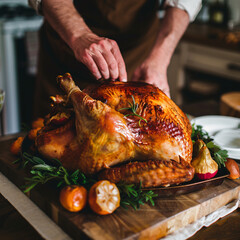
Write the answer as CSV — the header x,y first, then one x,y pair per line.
x,y
133,24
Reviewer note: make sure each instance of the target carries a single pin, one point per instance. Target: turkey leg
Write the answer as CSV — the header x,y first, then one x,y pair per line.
x,y
102,133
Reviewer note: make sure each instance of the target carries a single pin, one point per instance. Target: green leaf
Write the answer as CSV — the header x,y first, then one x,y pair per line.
x,y
43,172
218,154
199,133
17,161
132,195
37,160
66,179
43,167
30,187
221,157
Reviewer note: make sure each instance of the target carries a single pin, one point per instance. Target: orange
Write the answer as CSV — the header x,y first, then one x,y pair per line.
x,y
33,133
73,198
38,123
233,168
16,146
104,197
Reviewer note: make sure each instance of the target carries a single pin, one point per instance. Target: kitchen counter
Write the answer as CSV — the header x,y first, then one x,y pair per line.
x,y
204,34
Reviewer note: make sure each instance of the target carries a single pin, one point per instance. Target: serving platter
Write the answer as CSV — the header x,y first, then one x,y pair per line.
x,y
191,186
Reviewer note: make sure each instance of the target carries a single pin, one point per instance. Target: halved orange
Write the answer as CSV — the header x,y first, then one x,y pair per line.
x,y
104,197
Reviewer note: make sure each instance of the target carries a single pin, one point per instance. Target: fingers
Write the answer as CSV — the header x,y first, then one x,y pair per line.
x,y
112,64
121,64
167,92
143,74
104,59
90,64
101,64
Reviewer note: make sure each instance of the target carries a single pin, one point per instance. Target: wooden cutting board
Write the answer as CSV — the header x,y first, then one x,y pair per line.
x,y
149,222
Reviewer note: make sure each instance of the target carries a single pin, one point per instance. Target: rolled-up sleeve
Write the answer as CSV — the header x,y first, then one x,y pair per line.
x,y
192,7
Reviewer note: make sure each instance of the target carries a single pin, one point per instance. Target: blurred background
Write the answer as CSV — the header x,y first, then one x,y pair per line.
x,y
205,65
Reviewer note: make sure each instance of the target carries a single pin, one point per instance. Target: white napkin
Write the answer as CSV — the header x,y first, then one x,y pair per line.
x,y
206,221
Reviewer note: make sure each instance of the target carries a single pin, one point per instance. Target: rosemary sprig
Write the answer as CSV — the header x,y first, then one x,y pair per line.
x,y
133,195
43,172
133,108
219,155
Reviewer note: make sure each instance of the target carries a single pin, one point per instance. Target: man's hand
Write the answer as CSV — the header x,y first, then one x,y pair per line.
x,y
154,69
101,55
152,72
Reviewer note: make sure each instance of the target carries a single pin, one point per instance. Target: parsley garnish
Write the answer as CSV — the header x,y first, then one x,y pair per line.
x,y
199,133
219,155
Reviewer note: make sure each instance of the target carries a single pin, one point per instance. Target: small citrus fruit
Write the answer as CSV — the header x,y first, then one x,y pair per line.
x,y
104,197
33,133
233,168
73,198
16,146
38,123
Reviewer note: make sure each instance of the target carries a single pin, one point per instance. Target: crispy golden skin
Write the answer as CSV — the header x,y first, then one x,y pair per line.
x,y
151,173
106,133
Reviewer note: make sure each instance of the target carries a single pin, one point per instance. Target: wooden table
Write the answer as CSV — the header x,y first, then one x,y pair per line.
x,y
169,214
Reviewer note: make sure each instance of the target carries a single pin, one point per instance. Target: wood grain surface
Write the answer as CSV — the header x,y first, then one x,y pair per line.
x,y
230,104
168,215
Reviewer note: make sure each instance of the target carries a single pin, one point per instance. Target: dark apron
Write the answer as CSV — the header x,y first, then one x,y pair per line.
x,y
132,23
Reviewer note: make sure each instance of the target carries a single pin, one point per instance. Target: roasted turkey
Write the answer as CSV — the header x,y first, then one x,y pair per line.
x,y
127,132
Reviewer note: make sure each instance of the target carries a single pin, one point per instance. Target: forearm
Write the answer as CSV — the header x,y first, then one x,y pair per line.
x,y
171,30
65,20
100,55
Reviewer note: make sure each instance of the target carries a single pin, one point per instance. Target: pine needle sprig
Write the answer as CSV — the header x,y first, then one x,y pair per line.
x,y
133,195
133,108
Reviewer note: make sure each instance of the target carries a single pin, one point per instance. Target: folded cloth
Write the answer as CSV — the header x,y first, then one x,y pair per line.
x,y
206,221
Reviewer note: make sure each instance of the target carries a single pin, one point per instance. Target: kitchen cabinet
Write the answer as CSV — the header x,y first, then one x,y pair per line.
x,y
214,65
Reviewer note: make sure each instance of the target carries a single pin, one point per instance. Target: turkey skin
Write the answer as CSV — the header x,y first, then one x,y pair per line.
x,y
129,132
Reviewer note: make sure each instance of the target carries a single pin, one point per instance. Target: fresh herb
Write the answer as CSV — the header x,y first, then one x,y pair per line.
x,y
219,155
199,133
19,160
133,108
133,195
43,172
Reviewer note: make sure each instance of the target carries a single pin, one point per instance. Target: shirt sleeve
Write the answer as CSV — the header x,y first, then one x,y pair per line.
x,y
36,5
192,7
